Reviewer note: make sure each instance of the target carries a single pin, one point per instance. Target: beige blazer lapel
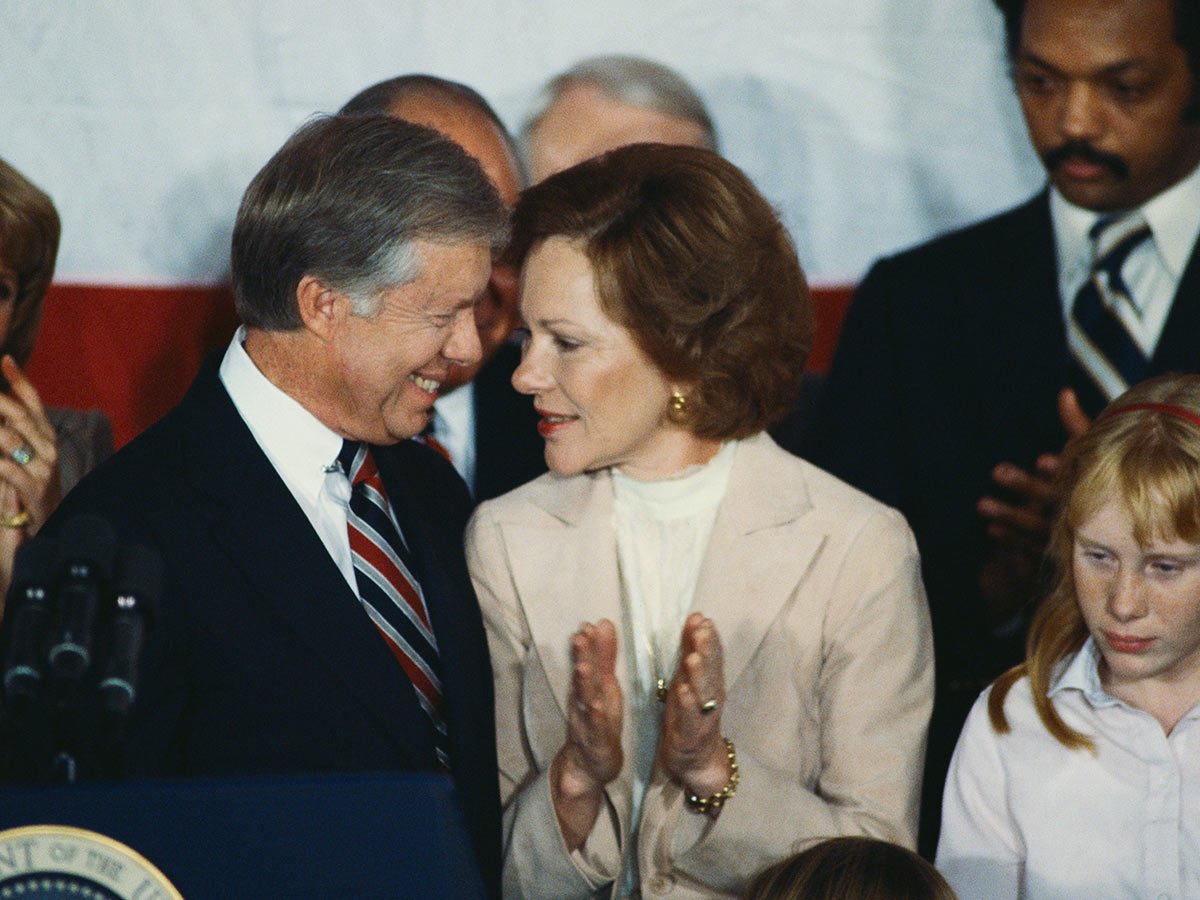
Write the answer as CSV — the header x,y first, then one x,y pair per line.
x,y
757,554
565,568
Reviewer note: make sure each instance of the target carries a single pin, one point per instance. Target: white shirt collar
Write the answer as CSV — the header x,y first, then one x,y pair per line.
x,y
1173,217
454,427
685,494
298,445
1082,673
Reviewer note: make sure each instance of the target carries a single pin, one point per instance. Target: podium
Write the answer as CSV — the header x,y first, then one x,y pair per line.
x,y
399,837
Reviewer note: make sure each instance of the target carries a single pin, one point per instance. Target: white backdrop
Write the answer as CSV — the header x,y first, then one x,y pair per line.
x,y
871,124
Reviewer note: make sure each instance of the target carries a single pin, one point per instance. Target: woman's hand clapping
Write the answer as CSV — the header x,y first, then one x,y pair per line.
x,y
691,748
592,755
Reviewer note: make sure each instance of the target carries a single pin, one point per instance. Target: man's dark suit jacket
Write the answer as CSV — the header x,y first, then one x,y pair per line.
x,y
950,361
262,660
508,449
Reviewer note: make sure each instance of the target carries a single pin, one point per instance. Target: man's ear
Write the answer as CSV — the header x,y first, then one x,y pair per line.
x,y
321,308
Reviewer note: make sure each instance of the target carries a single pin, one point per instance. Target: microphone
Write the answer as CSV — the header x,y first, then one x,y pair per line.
x,y
29,605
87,550
137,587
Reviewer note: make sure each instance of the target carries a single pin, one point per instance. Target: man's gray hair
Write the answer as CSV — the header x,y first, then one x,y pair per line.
x,y
346,199
628,79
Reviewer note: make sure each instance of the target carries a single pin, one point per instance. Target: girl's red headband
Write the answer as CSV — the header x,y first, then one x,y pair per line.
x,y
1178,412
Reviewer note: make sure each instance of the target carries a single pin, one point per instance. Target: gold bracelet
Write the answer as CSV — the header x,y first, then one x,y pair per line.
x,y
711,805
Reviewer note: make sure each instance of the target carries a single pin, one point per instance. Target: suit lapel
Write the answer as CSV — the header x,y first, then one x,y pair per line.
x,y
1015,337
1020,332
1176,351
566,573
756,555
266,535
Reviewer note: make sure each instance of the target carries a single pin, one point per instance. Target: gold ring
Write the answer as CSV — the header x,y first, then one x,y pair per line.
x,y
20,520
708,706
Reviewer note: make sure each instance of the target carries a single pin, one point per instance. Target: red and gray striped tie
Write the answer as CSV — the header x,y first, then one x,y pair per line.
x,y
389,591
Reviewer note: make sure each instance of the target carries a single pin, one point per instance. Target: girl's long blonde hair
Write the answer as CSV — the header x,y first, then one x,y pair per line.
x,y
1145,448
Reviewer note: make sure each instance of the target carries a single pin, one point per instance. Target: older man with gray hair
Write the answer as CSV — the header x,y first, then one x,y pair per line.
x,y
317,614
607,102
488,430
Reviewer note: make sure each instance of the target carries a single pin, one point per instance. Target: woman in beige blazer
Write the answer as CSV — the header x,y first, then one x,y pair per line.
x,y
708,653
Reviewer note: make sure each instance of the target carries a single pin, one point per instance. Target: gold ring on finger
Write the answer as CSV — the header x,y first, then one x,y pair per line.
x,y
20,520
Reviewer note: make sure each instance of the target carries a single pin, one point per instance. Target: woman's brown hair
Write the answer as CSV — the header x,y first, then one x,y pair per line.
x,y
1150,458
29,232
691,259
851,868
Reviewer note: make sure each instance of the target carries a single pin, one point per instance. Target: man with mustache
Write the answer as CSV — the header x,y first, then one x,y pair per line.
x,y
965,364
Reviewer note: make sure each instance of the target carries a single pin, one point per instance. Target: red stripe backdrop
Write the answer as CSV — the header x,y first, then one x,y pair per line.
x,y
133,351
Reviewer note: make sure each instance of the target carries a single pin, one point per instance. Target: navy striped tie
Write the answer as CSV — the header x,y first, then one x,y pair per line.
x,y
388,589
1106,360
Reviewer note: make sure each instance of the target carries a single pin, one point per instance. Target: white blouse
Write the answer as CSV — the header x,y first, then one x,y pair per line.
x,y
662,530
1025,817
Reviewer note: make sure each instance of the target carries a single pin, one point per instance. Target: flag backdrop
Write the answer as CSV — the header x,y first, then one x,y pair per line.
x,y
870,124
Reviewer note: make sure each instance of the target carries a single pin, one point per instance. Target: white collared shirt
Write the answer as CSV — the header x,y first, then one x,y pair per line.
x,y
1152,272
1024,817
454,427
299,446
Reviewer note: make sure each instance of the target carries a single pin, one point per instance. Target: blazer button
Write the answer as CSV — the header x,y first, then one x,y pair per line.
x,y
661,884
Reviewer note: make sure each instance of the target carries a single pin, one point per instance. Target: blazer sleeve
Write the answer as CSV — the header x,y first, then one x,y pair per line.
x,y
84,441
979,851
536,861
874,692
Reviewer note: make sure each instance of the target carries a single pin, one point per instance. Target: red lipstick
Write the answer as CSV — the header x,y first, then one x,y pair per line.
x,y
551,422
1126,643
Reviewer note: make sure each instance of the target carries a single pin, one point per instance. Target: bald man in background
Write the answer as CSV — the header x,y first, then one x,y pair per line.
x,y
606,102
488,430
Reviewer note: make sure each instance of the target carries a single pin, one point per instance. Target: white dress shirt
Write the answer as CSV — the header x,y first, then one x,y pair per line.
x,y
1024,817
1152,271
300,448
453,420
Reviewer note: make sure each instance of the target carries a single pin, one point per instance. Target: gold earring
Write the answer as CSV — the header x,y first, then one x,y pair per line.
x,y
678,402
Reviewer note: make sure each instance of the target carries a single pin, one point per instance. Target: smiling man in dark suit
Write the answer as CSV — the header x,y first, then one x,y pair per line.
x,y
317,615
488,430
965,363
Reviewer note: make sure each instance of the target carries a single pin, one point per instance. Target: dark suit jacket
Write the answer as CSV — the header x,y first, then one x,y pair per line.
x,y
508,449
950,361
261,660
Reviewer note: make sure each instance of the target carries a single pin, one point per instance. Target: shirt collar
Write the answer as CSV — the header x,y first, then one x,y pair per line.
x,y
1173,217
299,446
455,411
1082,673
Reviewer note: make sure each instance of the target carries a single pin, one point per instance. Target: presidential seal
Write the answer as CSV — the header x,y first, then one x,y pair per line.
x,y
56,862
